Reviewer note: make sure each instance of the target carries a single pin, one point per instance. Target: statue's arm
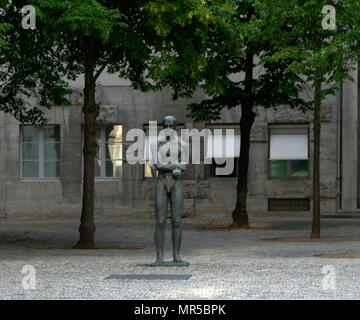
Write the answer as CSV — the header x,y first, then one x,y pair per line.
x,y
156,162
164,167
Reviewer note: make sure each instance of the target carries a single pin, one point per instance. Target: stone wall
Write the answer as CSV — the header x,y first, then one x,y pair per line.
x,y
133,194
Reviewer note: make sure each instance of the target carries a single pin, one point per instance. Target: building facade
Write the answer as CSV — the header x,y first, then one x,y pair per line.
x,y
41,167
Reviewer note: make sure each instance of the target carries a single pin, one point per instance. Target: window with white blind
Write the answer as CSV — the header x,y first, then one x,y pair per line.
x,y
289,151
40,152
109,156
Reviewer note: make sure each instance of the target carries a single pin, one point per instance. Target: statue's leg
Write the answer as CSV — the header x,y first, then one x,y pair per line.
x,y
177,204
161,202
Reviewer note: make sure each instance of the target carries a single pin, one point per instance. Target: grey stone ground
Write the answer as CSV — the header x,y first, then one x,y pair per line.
x,y
224,264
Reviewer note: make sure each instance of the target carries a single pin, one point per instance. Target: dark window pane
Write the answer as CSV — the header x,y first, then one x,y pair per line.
x,y
98,135
52,151
52,133
30,169
98,151
30,151
278,168
30,134
113,134
114,169
113,151
51,169
299,168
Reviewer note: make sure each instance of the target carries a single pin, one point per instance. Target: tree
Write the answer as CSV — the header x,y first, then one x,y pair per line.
x,y
235,44
26,70
3,25
129,38
322,53
3,28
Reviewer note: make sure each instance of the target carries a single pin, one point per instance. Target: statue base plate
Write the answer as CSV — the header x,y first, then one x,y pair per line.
x,y
170,264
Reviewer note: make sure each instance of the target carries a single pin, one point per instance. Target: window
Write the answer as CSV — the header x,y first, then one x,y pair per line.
x,y
289,152
109,159
289,204
149,171
40,151
220,146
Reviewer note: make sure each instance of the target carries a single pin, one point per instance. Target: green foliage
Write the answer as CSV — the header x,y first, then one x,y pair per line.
x,y
27,69
165,15
317,54
151,43
236,35
3,28
182,37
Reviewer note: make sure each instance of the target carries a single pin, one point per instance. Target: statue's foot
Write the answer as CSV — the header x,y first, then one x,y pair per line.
x,y
159,262
180,262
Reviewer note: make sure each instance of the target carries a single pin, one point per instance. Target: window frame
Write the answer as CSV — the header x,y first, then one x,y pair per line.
x,y
41,154
304,125
103,160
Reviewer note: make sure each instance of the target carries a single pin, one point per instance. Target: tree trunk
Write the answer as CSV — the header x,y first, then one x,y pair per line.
x,y
239,215
91,111
315,233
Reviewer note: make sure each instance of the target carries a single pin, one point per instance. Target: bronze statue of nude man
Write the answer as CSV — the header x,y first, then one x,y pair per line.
x,y
169,188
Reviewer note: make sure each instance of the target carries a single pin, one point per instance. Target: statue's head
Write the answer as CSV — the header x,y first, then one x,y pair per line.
x,y
169,122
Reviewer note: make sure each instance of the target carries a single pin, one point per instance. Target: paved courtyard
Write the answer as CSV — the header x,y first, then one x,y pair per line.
x,y
236,264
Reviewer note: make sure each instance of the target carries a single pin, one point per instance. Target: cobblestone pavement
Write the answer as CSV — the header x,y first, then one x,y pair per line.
x,y
236,264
